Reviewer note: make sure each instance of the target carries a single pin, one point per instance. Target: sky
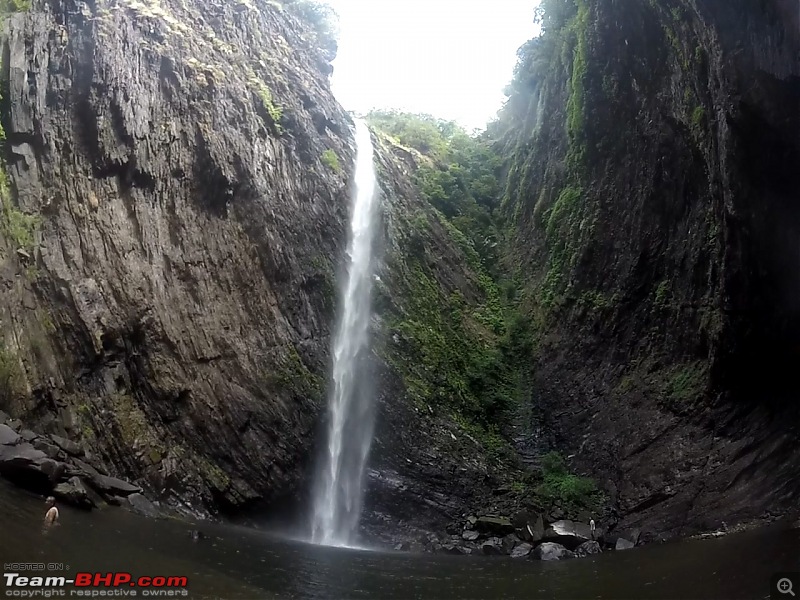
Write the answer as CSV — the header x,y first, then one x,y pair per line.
x,y
449,58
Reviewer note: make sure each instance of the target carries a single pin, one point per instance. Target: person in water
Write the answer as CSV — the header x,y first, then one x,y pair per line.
x,y
51,516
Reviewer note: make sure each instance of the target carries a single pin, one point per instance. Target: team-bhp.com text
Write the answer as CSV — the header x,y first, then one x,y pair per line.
x,y
95,585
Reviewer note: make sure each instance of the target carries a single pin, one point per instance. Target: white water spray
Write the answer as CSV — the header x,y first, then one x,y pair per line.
x,y
338,495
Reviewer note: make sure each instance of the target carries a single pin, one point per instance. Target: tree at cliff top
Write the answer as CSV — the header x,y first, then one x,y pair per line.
x,y
457,173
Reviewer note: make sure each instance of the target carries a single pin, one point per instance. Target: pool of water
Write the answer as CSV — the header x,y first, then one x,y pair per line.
x,y
237,562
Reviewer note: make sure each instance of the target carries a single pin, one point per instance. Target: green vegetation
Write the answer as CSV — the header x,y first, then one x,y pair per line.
x,y
18,227
563,208
456,173
11,376
454,355
292,374
11,6
559,485
576,103
661,295
468,361
698,117
273,111
331,160
686,382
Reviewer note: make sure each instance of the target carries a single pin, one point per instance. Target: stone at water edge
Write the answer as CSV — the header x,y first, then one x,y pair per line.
x,y
521,550
551,551
139,504
587,549
470,535
509,541
537,531
567,533
74,492
493,547
623,544
498,526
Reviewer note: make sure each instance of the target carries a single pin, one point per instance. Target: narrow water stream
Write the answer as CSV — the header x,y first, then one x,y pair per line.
x,y
234,562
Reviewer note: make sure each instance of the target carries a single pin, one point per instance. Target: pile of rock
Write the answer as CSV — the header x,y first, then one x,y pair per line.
x,y
493,535
50,464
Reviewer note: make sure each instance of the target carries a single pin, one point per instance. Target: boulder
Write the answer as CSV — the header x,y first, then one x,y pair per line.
x,y
141,505
587,549
54,469
567,533
67,446
470,535
28,435
496,526
623,544
551,551
8,437
74,492
537,531
30,467
51,450
21,457
471,520
113,486
493,547
521,550
509,542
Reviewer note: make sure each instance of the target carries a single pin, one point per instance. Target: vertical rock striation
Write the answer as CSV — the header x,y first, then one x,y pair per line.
x,y
651,180
173,310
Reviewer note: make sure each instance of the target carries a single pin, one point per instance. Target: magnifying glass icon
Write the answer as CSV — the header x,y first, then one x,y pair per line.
x,y
785,586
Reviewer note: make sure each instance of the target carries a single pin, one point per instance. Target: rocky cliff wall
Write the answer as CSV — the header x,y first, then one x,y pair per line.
x,y
653,150
170,239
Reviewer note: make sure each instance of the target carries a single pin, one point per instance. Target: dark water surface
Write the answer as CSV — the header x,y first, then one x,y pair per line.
x,y
236,562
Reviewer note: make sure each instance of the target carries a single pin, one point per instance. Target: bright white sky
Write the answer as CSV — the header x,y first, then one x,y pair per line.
x,y
449,58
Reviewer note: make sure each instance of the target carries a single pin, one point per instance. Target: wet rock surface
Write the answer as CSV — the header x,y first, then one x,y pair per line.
x,y
669,342
551,551
172,315
66,477
587,549
567,533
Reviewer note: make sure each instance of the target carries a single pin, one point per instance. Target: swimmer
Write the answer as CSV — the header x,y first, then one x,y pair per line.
x,y
51,517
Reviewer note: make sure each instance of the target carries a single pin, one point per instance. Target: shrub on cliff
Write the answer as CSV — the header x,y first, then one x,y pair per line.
x,y
559,485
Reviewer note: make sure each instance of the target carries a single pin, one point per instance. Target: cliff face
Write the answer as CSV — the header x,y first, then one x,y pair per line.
x,y
168,271
651,188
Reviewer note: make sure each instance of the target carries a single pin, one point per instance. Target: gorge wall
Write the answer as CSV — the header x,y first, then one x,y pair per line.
x,y
173,224
651,157
169,261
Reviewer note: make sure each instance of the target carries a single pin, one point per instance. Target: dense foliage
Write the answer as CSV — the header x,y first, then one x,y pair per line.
x,y
559,485
458,174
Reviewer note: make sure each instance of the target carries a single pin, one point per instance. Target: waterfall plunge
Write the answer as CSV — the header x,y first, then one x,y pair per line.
x,y
338,495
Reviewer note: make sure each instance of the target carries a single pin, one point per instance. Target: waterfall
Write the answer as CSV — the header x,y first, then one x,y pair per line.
x,y
338,494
